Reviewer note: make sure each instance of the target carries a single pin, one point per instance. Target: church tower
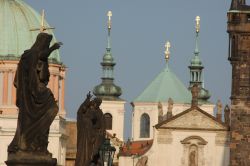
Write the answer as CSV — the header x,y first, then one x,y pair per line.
x,y
239,57
196,67
112,105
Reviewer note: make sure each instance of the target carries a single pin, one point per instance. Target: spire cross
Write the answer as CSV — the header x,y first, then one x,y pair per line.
x,y
197,27
167,51
197,19
109,14
43,27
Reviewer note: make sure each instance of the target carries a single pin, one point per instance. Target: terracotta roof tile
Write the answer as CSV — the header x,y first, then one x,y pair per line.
x,y
135,148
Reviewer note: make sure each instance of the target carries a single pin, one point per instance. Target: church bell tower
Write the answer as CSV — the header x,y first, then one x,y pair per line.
x,y
239,57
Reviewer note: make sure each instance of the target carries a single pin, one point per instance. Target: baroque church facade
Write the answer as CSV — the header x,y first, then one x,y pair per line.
x,y
170,126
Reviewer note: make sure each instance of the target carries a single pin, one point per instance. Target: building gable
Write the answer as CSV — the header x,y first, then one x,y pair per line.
x,y
193,119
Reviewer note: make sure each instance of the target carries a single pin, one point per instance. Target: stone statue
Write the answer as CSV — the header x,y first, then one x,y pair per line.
x,y
36,103
227,115
160,112
219,107
90,132
219,110
170,108
142,161
192,159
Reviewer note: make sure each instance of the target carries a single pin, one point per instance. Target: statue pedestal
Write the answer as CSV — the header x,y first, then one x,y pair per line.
x,y
30,159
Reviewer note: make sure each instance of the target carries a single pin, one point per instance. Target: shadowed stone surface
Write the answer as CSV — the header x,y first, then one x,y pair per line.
x,y
239,56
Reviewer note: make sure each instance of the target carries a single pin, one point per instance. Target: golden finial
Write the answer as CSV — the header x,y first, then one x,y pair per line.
x,y
167,51
109,14
197,26
42,27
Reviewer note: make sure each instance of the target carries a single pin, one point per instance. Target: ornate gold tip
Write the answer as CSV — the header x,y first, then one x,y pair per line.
x,y
42,28
109,14
167,51
197,26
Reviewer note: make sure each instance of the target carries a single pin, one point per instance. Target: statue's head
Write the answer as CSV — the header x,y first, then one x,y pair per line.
x,y
42,41
97,102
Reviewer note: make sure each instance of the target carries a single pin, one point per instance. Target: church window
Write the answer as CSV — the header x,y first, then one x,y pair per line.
x,y
144,126
108,121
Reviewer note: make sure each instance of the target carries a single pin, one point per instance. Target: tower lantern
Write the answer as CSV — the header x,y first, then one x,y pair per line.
x,y
196,67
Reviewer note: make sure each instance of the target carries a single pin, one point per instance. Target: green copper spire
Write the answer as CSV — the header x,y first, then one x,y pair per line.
x,y
107,90
196,59
196,67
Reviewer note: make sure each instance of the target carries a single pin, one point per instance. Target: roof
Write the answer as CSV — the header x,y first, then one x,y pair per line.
x,y
166,85
136,148
18,18
193,119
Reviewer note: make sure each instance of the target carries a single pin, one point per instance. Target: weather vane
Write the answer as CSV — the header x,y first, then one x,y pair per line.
x,y
42,27
167,51
109,14
197,26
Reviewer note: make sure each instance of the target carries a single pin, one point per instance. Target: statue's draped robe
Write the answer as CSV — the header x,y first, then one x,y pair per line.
x,y
90,134
36,103
84,135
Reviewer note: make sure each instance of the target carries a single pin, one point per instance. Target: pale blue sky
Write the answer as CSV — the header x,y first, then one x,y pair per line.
x,y
139,32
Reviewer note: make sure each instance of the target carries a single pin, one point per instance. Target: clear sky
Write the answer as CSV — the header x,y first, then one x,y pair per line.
x,y
140,29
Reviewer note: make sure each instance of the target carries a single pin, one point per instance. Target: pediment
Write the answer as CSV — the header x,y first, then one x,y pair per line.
x,y
194,119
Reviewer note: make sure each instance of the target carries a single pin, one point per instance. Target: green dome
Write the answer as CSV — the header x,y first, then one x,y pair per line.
x,y
204,95
16,20
108,58
107,90
166,85
195,61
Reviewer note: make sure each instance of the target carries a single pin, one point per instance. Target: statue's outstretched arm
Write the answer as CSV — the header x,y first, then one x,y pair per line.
x,y
55,47
44,54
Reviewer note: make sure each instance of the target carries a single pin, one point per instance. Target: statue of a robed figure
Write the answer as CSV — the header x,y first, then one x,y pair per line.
x,y
36,104
90,132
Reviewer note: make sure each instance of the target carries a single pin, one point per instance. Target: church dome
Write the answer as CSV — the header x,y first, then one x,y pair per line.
x,y
166,85
196,61
108,58
16,20
204,95
107,90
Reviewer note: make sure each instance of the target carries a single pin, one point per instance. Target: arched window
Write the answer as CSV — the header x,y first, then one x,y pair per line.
x,y
144,126
108,121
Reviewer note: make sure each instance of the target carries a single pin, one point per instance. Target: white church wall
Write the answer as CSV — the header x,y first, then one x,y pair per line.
x,y
127,161
7,131
139,109
169,149
209,108
117,110
151,109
